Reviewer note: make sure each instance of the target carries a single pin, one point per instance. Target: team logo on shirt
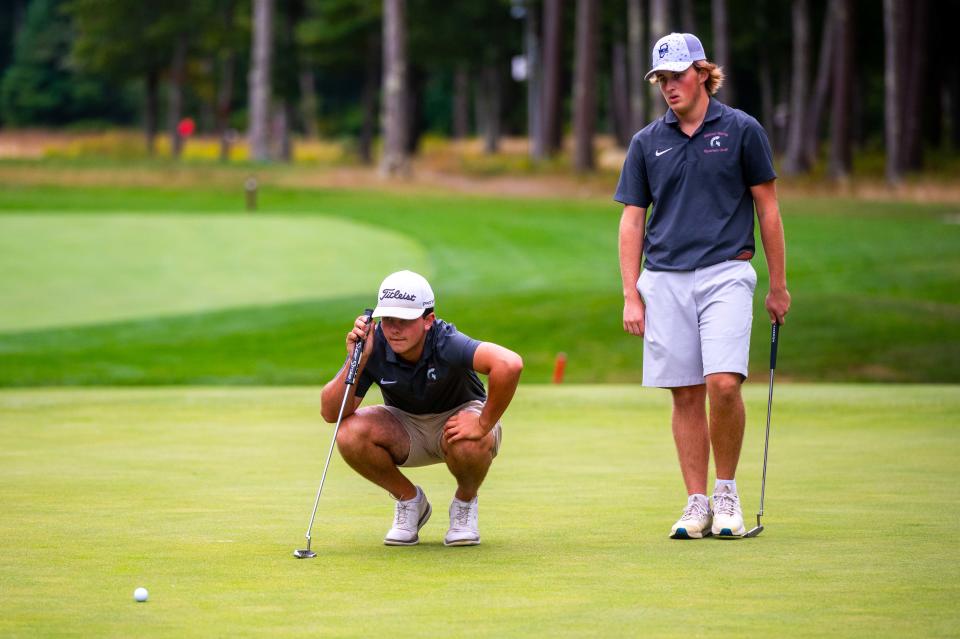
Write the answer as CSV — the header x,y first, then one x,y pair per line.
x,y
432,374
716,142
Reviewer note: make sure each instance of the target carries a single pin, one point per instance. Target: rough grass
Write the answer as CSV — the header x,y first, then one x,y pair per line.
x,y
874,286
201,495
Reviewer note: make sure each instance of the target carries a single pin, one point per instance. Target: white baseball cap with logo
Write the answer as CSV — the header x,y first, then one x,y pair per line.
x,y
676,52
403,294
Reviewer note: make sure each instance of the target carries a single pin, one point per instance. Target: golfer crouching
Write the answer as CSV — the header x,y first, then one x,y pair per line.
x,y
435,407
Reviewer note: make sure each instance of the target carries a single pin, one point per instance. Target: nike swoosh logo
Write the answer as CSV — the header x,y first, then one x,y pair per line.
x,y
387,382
658,152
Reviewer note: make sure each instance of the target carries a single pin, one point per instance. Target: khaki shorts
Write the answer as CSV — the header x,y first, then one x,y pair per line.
x,y
426,430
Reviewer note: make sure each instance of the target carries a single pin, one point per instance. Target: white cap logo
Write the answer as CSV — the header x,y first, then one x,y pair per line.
x,y
675,53
403,294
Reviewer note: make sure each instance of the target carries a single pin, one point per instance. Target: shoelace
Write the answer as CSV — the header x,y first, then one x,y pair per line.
x,y
400,518
694,510
724,504
462,515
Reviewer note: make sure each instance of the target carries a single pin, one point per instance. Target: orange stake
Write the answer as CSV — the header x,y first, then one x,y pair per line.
x,y
559,367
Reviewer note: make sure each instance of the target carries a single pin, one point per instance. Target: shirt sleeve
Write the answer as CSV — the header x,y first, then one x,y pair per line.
x,y
757,156
456,348
364,382
633,188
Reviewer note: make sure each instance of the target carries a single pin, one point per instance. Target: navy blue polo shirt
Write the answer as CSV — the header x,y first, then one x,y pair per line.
x,y
441,380
699,187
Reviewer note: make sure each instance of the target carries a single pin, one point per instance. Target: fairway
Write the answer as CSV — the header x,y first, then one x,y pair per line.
x,y
201,495
61,270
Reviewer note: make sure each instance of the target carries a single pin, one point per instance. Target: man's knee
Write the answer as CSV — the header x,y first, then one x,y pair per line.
x,y
371,428
471,450
366,425
688,397
724,386
354,431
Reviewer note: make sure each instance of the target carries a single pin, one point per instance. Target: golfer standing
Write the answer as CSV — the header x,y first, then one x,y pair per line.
x,y
435,407
703,166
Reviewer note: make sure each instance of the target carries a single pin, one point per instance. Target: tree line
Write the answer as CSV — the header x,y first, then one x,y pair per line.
x,y
826,78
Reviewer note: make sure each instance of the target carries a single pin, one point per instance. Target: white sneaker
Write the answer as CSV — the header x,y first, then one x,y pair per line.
x,y
728,517
408,518
695,521
464,524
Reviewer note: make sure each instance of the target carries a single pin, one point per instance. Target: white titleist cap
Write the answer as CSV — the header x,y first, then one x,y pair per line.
x,y
404,294
676,52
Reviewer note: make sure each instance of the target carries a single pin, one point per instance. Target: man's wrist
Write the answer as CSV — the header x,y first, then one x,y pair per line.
x,y
481,421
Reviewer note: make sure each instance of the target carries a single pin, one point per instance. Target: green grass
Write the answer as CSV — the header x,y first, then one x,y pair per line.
x,y
64,271
201,495
874,284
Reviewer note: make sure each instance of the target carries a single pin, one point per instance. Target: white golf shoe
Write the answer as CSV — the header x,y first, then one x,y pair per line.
x,y
727,514
464,524
694,523
408,518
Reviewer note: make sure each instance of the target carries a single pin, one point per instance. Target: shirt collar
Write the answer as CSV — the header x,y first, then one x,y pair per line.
x,y
714,111
388,352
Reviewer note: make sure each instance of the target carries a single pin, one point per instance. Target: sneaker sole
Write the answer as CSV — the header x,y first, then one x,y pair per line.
x,y
423,520
397,542
726,533
462,542
681,533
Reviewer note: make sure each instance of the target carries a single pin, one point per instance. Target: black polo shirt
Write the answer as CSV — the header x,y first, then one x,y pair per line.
x,y
442,380
699,186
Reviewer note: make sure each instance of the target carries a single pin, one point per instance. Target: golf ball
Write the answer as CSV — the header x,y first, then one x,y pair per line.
x,y
140,594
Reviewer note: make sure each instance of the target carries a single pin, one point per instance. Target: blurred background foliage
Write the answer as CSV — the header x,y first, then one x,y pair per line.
x,y
816,73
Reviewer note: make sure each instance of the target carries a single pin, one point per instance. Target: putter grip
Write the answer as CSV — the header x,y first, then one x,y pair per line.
x,y
774,338
357,352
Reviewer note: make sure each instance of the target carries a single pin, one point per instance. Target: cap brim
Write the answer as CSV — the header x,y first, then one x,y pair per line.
x,y
668,66
397,311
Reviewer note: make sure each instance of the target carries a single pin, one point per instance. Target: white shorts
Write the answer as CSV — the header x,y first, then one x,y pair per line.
x,y
425,432
696,323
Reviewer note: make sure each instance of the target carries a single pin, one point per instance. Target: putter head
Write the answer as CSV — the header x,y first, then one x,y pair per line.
x,y
304,554
753,532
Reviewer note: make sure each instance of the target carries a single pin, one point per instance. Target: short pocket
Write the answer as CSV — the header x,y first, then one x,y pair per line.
x,y
750,276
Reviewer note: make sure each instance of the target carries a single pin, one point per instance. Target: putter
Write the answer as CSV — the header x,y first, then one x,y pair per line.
x,y
306,553
774,335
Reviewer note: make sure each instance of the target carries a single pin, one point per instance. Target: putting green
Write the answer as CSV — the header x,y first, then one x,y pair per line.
x,y
201,496
64,270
